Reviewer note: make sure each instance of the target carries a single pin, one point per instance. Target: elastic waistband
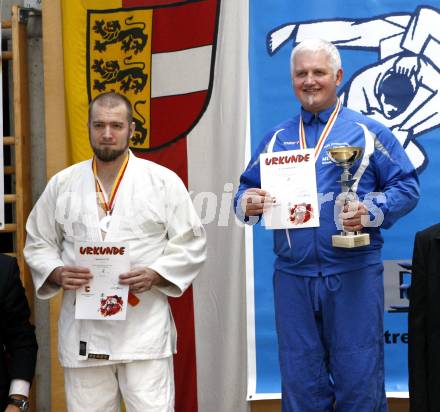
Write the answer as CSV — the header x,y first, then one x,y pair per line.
x,y
344,266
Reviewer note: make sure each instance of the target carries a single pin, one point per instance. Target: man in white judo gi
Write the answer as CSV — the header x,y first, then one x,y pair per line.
x,y
116,197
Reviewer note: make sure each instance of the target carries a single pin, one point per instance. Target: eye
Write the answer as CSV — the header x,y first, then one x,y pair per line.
x,y
320,73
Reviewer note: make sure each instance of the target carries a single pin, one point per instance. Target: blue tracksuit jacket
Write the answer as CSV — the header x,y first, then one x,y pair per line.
x,y
386,182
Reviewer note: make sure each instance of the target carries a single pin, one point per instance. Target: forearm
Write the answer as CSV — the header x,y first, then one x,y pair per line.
x,y
400,200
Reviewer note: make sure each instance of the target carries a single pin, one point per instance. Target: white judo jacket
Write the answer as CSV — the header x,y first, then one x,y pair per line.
x,y
154,214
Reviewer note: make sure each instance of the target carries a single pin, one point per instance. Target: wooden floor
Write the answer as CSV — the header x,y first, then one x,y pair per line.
x,y
394,405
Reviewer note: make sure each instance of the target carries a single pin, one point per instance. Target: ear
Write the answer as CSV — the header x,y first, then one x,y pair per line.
x,y
339,75
132,128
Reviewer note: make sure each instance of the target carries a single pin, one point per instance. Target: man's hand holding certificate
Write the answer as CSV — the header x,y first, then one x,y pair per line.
x,y
103,297
290,178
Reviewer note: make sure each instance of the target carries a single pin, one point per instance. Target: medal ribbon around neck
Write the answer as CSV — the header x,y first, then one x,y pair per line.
x,y
327,128
108,203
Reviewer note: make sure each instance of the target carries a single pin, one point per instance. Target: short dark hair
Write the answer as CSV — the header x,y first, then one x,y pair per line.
x,y
111,99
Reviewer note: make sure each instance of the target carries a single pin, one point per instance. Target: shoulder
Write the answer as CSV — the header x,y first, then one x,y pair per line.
x,y
67,180
356,118
70,172
7,263
430,233
156,172
282,131
284,126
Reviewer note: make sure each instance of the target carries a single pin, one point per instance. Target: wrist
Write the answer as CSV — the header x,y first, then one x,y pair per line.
x,y
54,276
160,281
20,402
18,396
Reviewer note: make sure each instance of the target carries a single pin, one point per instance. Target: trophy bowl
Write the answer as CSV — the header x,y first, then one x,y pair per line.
x,y
345,156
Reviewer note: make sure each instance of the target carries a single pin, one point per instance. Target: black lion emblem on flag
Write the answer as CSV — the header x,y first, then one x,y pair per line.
x,y
130,78
132,38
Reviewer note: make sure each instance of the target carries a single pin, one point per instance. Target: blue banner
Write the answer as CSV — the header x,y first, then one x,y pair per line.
x,y
390,54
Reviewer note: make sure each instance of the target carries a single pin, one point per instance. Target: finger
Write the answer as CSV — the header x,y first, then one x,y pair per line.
x,y
350,224
132,273
260,200
260,192
76,269
132,280
351,205
254,211
350,212
80,275
254,207
75,278
257,193
126,275
141,286
73,284
353,224
346,216
256,199
250,192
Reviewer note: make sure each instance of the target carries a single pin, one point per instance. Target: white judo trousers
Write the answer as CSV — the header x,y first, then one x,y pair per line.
x,y
145,386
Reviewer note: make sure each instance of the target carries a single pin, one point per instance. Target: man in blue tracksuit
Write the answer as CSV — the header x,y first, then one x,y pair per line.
x,y
329,301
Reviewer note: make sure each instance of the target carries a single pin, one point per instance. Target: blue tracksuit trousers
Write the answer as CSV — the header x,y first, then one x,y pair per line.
x,y
330,338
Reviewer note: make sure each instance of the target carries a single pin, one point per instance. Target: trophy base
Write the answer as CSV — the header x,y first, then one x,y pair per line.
x,y
351,240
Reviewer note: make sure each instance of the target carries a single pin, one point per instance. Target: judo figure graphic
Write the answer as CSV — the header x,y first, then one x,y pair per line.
x,y
401,89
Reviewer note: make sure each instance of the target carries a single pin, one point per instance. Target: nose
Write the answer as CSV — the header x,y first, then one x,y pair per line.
x,y
309,79
107,132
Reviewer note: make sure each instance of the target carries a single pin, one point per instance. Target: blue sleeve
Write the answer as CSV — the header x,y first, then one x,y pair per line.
x,y
397,178
249,179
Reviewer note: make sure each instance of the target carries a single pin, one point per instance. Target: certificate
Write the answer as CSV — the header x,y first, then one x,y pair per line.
x,y
103,298
290,178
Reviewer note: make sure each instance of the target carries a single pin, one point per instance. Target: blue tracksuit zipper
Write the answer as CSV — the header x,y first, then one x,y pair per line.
x,y
316,130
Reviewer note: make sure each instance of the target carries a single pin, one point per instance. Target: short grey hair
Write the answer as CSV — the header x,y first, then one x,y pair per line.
x,y
315,45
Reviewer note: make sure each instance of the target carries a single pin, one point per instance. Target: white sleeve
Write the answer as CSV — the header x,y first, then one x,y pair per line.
x,y
44,242
19,387
185,251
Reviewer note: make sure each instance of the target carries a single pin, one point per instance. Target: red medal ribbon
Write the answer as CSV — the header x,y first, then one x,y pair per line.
x,y
326,131
109,204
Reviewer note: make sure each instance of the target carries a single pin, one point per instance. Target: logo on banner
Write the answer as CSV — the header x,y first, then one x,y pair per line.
x,y
111,32
400,89
161,58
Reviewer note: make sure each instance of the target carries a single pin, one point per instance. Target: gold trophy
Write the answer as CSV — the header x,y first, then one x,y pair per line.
x,y
345,157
